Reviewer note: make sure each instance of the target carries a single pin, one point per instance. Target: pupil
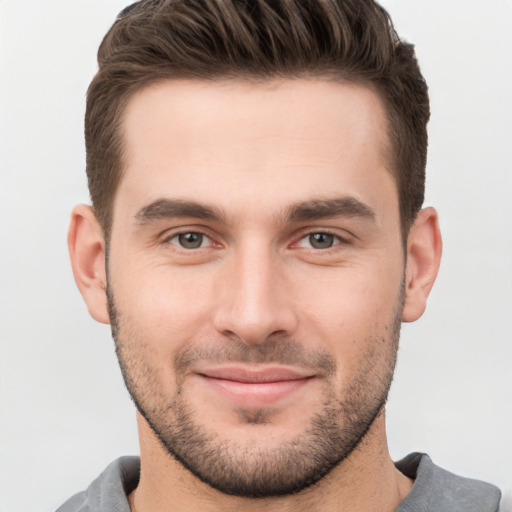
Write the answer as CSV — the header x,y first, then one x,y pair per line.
x,y
191,240
321,240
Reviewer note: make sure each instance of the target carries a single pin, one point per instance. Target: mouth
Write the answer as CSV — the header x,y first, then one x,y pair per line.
x,y
247,387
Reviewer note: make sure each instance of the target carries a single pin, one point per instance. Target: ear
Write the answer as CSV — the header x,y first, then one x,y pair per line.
x,y
424,246
86,244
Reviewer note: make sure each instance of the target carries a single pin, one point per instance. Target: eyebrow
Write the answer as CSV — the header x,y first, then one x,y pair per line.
x,y
162,209
314,209
349,207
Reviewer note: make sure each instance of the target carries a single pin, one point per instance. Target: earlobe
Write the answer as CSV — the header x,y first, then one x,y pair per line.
x,y
424,247
86,246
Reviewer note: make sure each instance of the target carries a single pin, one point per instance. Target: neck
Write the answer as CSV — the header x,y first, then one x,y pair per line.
x,y
366,481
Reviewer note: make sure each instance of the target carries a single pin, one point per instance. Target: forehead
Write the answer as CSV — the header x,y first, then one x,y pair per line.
x,y
275,141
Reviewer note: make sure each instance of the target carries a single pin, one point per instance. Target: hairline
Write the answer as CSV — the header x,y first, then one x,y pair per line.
x,y
335,76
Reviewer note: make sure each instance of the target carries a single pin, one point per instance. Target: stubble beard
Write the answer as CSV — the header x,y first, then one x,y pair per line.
x,y
252,470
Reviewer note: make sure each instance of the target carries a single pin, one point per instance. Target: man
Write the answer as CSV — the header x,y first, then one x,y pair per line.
x,y
256,239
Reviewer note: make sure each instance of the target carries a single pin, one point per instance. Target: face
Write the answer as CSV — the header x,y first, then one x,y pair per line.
x,y
255,276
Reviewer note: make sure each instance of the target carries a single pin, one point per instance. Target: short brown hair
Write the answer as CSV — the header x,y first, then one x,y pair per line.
x,y
349,40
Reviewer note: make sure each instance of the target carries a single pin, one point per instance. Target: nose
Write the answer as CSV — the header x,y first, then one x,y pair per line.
x,y
254,301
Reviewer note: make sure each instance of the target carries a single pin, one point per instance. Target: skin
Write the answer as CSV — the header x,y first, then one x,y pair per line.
x,y
253,154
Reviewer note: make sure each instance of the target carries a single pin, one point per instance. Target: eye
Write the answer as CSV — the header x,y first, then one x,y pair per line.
x,y
320,240
190,240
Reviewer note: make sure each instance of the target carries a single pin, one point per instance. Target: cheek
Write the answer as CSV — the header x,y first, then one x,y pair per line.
x,y
353,313
162,306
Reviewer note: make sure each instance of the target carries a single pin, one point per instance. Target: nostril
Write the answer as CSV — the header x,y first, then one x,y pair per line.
x,y
252,305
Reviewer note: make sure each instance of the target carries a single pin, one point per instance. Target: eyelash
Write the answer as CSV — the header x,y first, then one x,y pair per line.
x,y
338,240
168,239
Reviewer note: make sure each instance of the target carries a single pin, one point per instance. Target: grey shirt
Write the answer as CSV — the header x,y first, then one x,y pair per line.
x,y
434,489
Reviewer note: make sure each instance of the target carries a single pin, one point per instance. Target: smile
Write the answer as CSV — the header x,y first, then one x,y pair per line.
x,y
250,388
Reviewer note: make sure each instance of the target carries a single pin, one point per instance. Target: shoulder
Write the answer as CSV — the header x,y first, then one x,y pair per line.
x,y
437,489
109,491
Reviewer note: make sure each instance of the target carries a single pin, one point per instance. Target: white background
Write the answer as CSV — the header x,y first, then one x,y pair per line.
x,y
64,413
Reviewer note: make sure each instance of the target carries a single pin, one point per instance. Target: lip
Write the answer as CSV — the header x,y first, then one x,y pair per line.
x,y
255,388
